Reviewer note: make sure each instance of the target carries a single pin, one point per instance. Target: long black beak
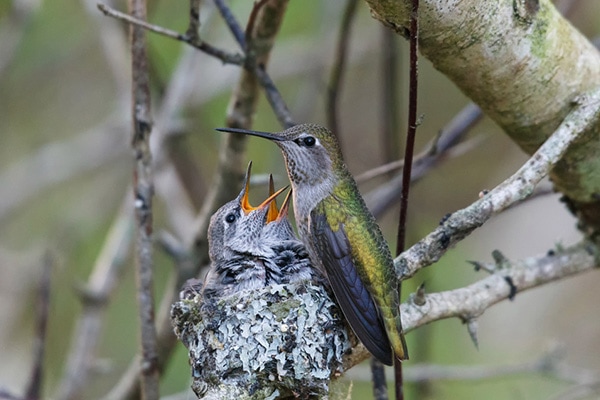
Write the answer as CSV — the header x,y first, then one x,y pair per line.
x,y
265,135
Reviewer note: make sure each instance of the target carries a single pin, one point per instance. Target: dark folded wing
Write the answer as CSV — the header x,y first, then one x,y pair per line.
x,y
357,304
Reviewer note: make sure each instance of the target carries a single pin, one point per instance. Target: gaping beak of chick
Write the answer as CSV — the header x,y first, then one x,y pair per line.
x,y
274,214
273,211
245,202
283,211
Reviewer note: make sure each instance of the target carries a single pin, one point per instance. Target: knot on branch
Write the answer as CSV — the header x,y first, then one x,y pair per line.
x,y
283,340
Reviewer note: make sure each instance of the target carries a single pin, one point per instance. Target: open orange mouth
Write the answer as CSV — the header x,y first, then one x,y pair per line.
x,y
269,201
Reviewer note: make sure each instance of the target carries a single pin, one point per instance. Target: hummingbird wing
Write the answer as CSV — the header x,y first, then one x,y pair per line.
x,y
334,250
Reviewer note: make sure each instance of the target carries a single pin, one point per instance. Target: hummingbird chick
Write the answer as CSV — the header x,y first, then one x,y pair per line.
x,y
290,254
342,237
240,260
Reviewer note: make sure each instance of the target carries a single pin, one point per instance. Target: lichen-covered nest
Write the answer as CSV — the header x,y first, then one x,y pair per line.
x,y
281,341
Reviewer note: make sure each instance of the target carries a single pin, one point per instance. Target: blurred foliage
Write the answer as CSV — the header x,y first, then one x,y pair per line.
x,y
58,83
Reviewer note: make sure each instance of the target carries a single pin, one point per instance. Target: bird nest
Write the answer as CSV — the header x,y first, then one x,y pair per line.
x,y
281,341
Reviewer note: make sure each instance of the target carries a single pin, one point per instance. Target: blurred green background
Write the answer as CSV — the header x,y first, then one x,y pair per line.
x,y
65,167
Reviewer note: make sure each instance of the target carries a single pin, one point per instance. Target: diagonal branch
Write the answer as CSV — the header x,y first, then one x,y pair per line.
x,y
273,96
515,189
470,302
192,40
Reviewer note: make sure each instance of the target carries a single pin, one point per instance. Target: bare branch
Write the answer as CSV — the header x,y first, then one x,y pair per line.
x,y
471,301
194,24
273,95
409,151
528,110
193,41
378,378
235,28
516,188
34,388
143,191
427,158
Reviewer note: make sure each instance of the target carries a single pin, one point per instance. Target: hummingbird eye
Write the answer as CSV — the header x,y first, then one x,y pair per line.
x,y
229,218
309,141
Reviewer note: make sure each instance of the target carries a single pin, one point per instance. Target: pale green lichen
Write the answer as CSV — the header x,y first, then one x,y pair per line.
x,y
281,340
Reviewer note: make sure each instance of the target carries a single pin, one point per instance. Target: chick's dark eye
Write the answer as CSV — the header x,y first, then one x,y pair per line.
x,y
309,141
229,218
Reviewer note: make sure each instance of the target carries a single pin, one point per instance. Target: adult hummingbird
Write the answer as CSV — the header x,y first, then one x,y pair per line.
x,y
342,237
240,260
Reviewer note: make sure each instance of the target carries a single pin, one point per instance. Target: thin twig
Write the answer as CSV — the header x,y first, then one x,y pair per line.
x,y
143,192
256,59
128,386
35,385
242,107
378,379
471,301
194,24
412,129
232,24
408,160
273,96
194,41
515,189
339,66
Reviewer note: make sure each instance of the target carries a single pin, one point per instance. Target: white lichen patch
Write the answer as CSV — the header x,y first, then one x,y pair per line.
x,y
283,340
